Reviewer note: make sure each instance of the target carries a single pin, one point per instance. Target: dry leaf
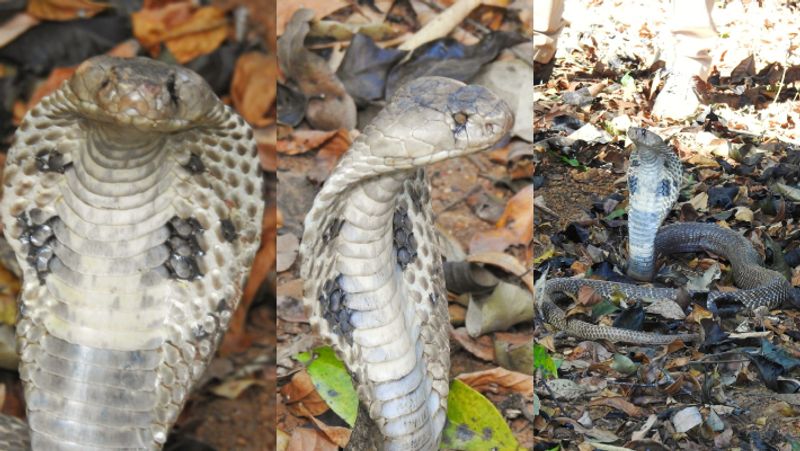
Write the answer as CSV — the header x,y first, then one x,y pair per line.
x,y
479,347
515,226
302,141
267,148
186,32
64,9
499,381
308,439
288,244
253,87
322,8
619,403
9,289
300,391
233,388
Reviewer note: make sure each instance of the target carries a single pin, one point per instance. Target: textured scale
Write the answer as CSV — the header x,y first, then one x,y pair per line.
x,y
130,277
653,181
654,177
371,264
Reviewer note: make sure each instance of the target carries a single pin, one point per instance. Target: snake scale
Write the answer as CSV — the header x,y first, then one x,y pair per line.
x,y
133,201
654,179
371,264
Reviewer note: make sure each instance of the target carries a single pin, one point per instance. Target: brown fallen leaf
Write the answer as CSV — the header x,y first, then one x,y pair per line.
x,y
619,403
327,157
253,87
187,32
232,389
267,148
64,9
9,289
499,381
515,226
337,434
480,347
329,106
300,391
302,141
304,439
322,8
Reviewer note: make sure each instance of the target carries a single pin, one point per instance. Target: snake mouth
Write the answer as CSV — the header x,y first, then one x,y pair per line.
x,y
144,93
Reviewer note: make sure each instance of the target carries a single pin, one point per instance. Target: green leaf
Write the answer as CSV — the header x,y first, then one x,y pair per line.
x,y
542,361
571,161
627,81
615,214
624,365
474,424
603,307
332,382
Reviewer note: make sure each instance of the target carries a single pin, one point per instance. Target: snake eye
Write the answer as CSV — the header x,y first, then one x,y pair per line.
x,y
460,118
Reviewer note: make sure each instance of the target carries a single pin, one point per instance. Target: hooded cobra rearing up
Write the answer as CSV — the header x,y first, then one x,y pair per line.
x,y
654,180
371,264
133,201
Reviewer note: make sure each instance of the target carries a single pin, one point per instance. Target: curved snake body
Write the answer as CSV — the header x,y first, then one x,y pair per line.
x,y
132,199
654,180
371,265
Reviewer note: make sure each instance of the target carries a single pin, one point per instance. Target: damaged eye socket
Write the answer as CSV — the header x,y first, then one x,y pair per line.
x,y
460,118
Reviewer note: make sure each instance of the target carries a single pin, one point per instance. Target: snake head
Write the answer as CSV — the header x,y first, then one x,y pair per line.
x,y
437,118
145,93
645,138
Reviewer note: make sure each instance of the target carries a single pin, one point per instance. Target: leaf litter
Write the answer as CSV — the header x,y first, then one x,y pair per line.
x,y
740,159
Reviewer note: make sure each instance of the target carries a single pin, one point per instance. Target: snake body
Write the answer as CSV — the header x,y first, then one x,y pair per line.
x,y
653,182
132,200
371,265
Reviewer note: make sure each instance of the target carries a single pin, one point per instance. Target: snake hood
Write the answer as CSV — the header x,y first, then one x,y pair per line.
x,y
654,178
431,119
141,92
132,200
371,265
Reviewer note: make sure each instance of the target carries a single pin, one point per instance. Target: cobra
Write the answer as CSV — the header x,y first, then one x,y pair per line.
x,y
371,264
654,178
132,199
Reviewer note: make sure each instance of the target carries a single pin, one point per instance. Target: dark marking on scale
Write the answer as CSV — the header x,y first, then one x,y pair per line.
x,y
228,230
51,161
194,165
333,300
404,241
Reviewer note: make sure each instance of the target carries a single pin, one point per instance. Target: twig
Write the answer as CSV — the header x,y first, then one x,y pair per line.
x,y
538,205
780,85
555,398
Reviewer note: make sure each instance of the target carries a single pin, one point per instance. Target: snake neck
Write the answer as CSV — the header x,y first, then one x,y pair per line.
x,y
383,303
653,184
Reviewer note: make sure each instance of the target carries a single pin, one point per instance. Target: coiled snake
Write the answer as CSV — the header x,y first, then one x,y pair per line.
x,y
373,280
132,199
654,179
